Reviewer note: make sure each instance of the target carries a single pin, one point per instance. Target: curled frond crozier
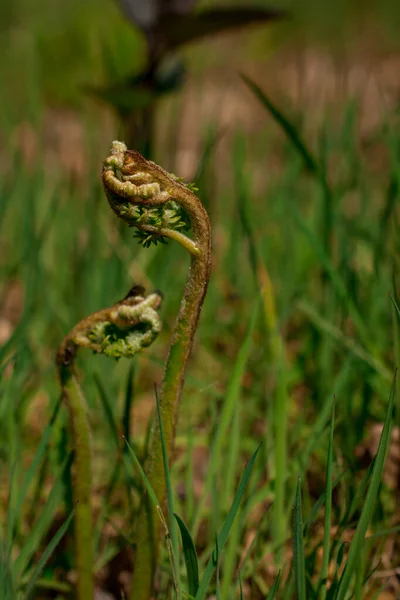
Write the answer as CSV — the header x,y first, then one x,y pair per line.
x,y
119,331
145,196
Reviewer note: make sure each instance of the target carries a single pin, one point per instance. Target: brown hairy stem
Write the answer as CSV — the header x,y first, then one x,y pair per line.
x,y
131,181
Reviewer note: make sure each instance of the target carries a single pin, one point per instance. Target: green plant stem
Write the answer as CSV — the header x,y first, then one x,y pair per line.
x,y
84,558
182,340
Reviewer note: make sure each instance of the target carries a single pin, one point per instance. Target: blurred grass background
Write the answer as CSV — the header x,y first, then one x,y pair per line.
x,y
321,244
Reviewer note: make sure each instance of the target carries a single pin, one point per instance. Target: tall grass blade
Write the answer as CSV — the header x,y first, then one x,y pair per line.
x,y
226,528
337,282
190,556
316,168
273,591
41,526
170,499
14,513
146,483
230,559
227,412
396,344
156,504
129,394
106,404
328,511
217,586
357,544
7,585
290,130
298,547
46,555
240,588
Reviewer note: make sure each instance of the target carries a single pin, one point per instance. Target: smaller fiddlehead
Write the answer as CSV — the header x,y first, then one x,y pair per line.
x,y
119,331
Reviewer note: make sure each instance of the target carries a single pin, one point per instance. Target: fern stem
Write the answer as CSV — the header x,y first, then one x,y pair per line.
x,y
83,526
148,531
160,206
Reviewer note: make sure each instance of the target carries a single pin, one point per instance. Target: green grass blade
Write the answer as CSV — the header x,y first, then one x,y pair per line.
x,y
231,398
337,282
157,506
146,482
46,555
298,547
322,419
357,544
42,524
349,343
106,404
190,555
328,511
396,343
32,469
129,394
226,528
321,500
7,585
217,586
230,558
240,587
274,589
170,500
289,129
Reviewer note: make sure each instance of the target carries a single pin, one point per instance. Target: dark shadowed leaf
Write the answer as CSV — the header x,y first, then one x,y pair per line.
x,y
137,92
180,6
146,13
176,30
125,97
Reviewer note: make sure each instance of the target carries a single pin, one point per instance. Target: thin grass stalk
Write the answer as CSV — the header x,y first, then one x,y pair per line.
x,y
328,511
277,354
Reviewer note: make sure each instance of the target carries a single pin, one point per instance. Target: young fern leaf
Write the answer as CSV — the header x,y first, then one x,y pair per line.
x,y
161,207
119,331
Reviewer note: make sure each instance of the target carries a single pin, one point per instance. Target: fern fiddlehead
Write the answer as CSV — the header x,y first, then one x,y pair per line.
x,y
119,331
160,206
